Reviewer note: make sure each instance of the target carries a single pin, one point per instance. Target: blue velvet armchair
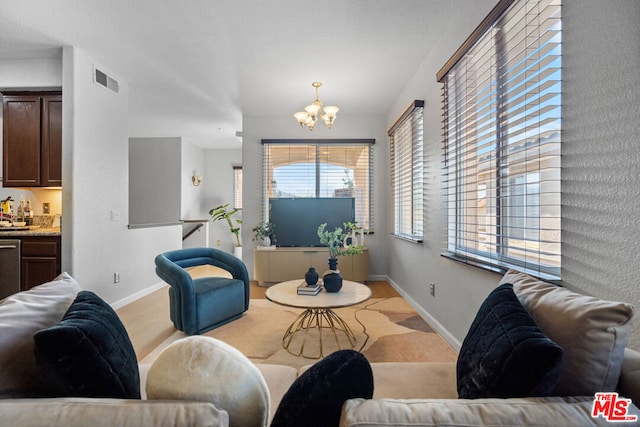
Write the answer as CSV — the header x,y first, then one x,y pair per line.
x,y
199,305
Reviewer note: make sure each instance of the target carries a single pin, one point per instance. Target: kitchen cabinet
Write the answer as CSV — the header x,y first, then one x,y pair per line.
x,y
32,139
41,261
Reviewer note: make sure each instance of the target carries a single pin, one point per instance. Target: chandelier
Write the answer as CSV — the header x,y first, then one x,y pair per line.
x,y
309,116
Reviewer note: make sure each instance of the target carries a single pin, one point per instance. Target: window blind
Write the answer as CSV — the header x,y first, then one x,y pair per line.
x,y
320,168
237,187
502,136
407,173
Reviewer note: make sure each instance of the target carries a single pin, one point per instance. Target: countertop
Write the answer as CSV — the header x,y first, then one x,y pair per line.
x,y
32,231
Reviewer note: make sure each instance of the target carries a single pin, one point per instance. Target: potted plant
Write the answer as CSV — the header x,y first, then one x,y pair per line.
x,y
335,242
222,212
264,233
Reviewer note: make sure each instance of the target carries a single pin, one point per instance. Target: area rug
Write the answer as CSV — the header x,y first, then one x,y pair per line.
x,y
386,330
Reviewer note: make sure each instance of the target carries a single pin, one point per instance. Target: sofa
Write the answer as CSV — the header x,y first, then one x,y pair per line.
x,y
50,362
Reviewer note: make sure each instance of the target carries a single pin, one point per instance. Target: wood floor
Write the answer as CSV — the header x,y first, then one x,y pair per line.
x,y
148,324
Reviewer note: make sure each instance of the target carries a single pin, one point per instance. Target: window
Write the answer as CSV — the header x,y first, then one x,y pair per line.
x,y
502,135
237,187
320,168
407,173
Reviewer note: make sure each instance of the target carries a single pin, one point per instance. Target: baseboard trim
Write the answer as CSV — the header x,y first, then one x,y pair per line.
x,y
437,326
131,298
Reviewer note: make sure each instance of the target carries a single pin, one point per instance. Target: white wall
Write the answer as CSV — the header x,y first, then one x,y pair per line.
x,y
192,159
601,156
95,182
31,73
256,128
217,185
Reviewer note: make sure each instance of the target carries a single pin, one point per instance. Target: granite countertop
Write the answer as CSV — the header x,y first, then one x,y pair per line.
x,y
32,231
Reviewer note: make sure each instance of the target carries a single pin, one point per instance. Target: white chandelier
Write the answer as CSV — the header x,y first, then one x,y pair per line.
x,y
309,116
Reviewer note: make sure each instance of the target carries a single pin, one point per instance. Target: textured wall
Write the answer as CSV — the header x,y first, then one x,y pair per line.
x,y
601,150
600,176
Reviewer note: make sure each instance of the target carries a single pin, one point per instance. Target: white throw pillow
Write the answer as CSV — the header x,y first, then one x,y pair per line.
x,y
21,316
205,369
592,332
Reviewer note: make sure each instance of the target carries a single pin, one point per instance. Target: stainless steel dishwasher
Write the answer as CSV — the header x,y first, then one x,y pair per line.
x,y
9,267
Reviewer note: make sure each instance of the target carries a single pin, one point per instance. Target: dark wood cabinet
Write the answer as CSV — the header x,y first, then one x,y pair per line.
x,y
41,261
32,139
51,167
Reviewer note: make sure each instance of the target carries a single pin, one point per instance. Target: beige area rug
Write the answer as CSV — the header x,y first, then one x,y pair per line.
x,y
386,330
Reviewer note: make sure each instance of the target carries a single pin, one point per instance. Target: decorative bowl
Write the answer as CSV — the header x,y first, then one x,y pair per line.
x,y
19,223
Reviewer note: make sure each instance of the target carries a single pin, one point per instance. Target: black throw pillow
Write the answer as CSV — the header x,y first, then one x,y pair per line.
x,y
317,396
88,354
505,354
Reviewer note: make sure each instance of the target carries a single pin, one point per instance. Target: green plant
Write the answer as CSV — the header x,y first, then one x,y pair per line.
x,y
264,229
220,213
334,240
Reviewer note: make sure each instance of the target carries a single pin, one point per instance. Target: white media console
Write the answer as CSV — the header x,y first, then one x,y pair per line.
x,y
283,264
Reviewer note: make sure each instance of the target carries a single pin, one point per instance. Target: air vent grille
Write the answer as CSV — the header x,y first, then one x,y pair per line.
x,y
103,79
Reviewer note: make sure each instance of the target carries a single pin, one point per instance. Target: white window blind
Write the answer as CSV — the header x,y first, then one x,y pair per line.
x,y
320,168
237,187
407,173
502,135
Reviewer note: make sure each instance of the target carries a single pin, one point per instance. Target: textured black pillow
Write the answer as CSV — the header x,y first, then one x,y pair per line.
x,y
317,396
505,354
88,354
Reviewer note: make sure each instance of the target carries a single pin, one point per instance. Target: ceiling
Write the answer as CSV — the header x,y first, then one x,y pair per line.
x,y
196,66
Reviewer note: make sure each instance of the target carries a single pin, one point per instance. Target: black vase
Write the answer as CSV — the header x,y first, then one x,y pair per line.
x,y
333,279
311,276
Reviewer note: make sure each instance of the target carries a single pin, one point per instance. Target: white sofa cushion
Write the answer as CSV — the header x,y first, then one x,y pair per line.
x,y
409,380
21,316
592,332
278,378
205,369
82,412
531,411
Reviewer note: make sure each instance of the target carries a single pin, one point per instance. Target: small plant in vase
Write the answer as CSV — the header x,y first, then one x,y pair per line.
x,y
335,242
264,233
220,213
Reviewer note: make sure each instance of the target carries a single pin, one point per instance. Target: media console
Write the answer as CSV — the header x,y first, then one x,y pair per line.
x,y
283,264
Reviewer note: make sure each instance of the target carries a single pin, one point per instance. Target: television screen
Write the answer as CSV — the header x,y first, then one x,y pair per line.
x,y
296,220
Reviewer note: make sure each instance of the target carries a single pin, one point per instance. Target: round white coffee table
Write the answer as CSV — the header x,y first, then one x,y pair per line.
x,y
318,312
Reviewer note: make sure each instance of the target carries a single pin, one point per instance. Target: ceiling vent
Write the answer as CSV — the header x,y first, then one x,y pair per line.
x,y
101,78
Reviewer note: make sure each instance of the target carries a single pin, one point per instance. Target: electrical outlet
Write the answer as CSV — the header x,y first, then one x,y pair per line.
x,y
432,289
46,208
116,277
218,243
115,216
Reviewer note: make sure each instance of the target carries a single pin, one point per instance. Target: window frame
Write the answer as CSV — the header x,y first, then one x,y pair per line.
x,y
237,187
369,143
456,151
406,155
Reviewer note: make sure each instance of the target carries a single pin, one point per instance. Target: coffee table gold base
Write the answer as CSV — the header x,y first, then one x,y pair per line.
x,y
316,318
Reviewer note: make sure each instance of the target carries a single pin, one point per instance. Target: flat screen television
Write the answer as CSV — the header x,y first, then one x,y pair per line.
x,y
296,220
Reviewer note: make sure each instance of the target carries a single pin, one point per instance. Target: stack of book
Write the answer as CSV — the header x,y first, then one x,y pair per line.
x,y
305,289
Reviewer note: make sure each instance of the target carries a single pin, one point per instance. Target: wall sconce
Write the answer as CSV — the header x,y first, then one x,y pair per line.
x,y
196,179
